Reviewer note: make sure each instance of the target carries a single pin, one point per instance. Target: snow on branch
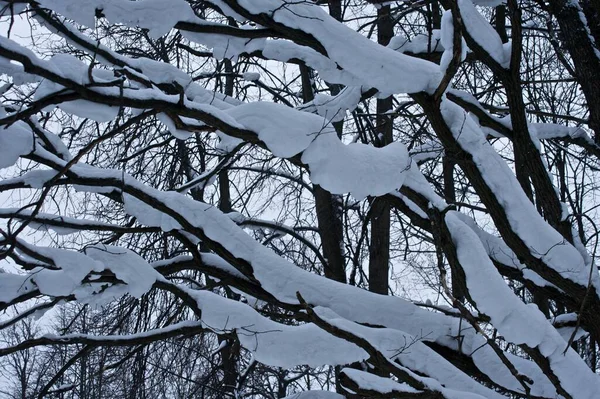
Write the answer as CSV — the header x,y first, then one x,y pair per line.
x,y
213,189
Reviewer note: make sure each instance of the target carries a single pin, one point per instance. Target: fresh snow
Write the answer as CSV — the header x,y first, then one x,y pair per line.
x,y
127,266
519,323
16,140
483,33
545,242
149,14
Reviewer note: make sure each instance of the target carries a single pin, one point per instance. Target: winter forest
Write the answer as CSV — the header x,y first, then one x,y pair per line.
x,y
302,199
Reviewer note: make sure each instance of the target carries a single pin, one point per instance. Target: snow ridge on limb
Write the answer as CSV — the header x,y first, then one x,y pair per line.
x,y
416,187
369,384
63,273
148,14
544,243
519,323
59,224
174,330
413,363
354,53
16,140
500,127
483,33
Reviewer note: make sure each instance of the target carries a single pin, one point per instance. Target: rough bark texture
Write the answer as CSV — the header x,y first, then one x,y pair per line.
x,y
379,250
583,50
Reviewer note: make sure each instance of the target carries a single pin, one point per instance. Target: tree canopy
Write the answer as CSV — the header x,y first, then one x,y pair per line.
x,y
323,199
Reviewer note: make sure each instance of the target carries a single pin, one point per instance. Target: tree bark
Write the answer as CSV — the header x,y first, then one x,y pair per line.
x,y
379,250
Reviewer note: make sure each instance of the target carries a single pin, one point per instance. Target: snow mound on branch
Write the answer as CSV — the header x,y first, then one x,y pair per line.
x,y
284,130
357,168
13,285
484,34
485,287
418,44
372,382
127,266
147,215
273,343
334,108
16,72
71,272
73,266
161,72
546,131
72,68
315,395
168,122
410,353
340,168
15,140
447,40
154,15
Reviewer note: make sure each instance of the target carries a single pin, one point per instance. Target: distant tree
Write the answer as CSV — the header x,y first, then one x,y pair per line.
x,y
23,371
